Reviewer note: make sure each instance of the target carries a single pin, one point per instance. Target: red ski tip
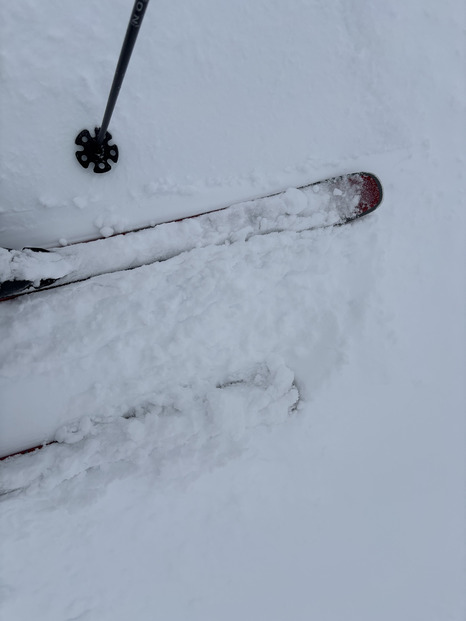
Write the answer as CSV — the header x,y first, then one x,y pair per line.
x,y
371,193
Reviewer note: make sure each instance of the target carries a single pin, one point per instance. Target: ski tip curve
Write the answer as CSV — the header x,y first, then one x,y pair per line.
x,y
371,193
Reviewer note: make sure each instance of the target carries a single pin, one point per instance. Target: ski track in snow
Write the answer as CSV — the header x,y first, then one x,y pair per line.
x,y
193,329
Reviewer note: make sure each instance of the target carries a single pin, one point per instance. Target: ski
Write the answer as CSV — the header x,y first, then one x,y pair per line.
x,y
332,202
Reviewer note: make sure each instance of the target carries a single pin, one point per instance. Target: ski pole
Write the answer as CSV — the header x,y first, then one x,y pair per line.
x,y
96,149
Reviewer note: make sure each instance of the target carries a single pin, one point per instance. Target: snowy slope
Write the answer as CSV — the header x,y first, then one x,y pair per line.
x,y
292,438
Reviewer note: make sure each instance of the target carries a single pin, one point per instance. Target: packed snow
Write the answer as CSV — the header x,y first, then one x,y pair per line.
x,y
259,427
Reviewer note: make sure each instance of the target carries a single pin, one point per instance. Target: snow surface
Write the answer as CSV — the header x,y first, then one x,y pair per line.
x,y
201,80
265,429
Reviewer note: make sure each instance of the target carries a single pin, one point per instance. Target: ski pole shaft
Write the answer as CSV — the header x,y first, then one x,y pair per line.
x,y
132,32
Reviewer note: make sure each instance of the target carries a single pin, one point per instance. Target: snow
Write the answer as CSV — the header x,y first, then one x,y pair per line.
x,y
199,82
206,326
267,428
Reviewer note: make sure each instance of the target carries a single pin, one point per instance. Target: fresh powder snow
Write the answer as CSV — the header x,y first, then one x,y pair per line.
x,y
257,427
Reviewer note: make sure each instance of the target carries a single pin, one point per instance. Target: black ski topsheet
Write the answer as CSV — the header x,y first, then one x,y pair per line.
x,y
353,195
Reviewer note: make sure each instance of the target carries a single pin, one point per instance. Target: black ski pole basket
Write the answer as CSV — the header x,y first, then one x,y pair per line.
x,y
96,148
